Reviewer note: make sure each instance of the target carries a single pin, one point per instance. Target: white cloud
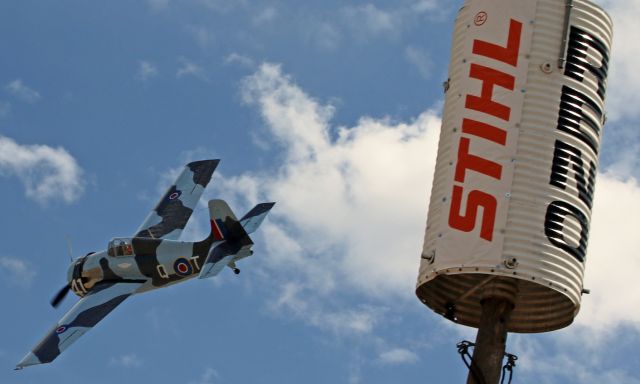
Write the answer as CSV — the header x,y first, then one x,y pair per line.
x,y
398,356
19,90
624,79
294,300
612,259
265,16
421,6
47,173
18,272
209,376
543,363
368,20
202,35
146,70
189,68
236,58
627,161
420,59
222,5
158,5
322,34
344,201
128,361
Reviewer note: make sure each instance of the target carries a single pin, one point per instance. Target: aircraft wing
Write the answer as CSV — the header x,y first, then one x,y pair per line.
x,y
81,317
170,216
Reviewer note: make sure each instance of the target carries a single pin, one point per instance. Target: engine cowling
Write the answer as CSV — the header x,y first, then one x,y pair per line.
x,y
77,282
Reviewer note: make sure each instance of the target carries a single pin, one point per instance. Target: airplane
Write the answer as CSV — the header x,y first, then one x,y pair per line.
x,y
153,258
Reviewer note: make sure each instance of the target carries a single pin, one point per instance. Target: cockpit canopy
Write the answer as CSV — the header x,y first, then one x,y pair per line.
x,y
120,246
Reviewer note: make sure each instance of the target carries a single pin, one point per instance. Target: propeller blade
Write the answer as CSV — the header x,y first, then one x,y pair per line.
x,y
57,299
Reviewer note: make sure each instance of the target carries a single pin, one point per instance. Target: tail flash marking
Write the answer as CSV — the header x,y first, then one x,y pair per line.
x,y
215,231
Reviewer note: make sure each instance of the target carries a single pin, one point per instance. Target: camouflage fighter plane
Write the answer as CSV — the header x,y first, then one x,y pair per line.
x,y
153,258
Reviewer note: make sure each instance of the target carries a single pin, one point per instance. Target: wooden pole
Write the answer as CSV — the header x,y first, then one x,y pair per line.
x,y
497,304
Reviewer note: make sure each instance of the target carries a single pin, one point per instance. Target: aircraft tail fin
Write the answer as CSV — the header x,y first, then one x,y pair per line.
x,y
224,224
235,233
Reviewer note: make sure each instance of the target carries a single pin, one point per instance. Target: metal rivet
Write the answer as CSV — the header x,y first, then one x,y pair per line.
x,y
546,68
511,262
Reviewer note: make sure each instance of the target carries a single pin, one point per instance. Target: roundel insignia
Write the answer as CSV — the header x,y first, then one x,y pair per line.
x,y
182,267
175,195
61,329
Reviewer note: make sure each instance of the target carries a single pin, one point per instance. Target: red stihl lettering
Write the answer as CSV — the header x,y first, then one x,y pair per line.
x,y
485,103
480,205
474,163
508,54
475,201
486,131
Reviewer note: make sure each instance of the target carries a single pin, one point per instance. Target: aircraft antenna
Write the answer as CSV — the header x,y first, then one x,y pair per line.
x,y
69,247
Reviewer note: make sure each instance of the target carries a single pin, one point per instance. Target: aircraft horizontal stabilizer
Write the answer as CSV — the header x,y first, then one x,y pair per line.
x,y
252,220
219,257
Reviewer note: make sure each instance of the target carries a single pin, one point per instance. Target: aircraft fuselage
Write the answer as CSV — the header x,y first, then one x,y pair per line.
x,y
156,262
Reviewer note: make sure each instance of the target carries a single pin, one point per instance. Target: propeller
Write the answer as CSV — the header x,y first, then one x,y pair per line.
x,y
57,299
62,293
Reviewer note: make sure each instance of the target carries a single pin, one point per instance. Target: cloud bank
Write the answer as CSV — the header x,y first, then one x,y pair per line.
x,y
344,207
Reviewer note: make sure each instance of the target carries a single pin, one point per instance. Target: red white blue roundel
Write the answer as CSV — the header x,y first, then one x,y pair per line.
x,y
61,329
182,267
175,195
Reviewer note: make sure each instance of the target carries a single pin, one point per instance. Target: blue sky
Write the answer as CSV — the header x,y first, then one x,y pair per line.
x,y
332,109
